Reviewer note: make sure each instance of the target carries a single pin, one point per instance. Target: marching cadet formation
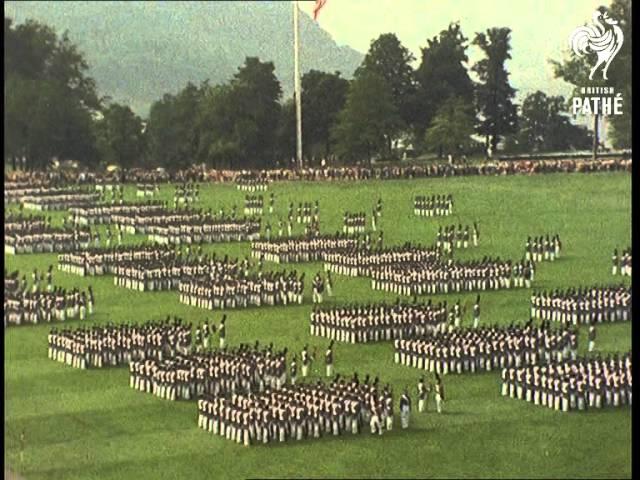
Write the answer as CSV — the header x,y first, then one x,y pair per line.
x,y
113,345
186,194
577,384
449,237
253,204
147,189
353,223
583,305
59,200
167,274
252,395
306,212
103,214
434,206
227,290
377,322
438,277
204,229
140,220
102,261
361,260
202,280
94,239
300,249
40,304
425,388
15,191
543,248
189,226
621,263
251,182
38,238
17,222
108,185
198,231
486,348
13,285
111,193
299,412
218,373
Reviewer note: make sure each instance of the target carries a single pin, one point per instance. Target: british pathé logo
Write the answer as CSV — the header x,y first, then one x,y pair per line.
x,y
603,37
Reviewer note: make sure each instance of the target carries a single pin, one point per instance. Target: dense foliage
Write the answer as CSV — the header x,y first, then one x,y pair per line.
x,y
52,108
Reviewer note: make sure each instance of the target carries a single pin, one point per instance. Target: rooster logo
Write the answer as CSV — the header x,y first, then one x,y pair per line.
x,y
603,39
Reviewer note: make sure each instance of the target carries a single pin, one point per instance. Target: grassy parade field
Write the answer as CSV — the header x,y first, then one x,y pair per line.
x,y
88,424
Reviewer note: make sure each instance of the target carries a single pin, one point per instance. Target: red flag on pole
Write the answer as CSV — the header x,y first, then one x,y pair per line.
x,y
318,6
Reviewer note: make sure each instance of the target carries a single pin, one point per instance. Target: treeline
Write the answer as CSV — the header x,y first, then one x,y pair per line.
x,y
52,108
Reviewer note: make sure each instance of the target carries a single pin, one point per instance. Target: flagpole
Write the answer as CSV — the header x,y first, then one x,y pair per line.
x,y
297,90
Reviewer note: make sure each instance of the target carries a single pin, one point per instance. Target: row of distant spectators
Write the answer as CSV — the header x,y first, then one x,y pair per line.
x,y
202,174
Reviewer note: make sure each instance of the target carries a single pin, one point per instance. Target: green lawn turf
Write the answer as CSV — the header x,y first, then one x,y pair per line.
x,y
90,424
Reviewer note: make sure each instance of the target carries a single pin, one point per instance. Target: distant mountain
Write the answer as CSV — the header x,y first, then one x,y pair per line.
x,y
138,51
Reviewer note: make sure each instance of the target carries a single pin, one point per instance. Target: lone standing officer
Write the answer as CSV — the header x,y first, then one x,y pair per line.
x,y
592,337
422,395
22,445
222,331
476,312
318,288
328,359
305,360
293,370
439,394
405,408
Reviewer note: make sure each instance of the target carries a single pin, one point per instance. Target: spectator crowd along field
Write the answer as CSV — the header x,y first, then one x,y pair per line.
x,y
356,256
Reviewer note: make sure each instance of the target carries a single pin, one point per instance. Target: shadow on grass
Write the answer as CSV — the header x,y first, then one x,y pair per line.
x,y
141,469
327,439
67,380
46,430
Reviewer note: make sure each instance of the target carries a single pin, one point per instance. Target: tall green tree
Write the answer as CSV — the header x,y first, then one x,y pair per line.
x,y
323,96
369,120
494,94
620,75
575,70
161,132
120,136
257,93
219,143
49,98
452,128
236,123
545,126
442,75
391,60
171,134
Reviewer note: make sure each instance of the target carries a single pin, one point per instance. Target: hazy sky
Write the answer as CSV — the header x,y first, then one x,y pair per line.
x,y
540,28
